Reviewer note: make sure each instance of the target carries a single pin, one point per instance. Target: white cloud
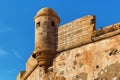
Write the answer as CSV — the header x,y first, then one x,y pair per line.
x,y
8,71
3,52
5,28
14,53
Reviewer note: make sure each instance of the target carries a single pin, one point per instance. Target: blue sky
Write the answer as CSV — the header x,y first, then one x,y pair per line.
x,y
17,26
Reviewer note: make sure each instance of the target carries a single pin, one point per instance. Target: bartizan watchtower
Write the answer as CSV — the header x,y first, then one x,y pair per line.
x,y
46,27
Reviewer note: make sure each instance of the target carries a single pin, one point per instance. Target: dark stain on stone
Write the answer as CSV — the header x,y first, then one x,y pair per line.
x,y
97,66
74,62
113,51
77,55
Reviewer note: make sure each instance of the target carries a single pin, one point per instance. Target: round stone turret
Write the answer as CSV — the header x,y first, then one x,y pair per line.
x,y
47,12
46,26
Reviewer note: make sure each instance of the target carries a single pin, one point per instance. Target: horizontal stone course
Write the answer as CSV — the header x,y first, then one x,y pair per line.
x,y
75,31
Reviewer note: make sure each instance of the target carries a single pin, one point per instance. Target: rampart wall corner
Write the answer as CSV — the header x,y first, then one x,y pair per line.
x,y
31,64
20,75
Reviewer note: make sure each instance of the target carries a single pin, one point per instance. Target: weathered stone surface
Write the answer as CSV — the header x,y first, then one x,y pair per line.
x,y
30,64
89,59
77,32
20,75
34,75
111,72
47,22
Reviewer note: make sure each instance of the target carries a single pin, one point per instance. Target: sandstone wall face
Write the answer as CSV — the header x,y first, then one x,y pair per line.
x,y
77,32
95,61
34,75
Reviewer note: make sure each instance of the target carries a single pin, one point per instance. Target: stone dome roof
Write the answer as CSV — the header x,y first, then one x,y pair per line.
x,y
47,12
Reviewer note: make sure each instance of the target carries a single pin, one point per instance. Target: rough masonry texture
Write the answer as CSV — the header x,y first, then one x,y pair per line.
x,y
74,51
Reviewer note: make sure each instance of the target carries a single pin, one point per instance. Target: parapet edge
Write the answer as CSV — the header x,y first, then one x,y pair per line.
x,y
80,20
103,33
106,32
31,64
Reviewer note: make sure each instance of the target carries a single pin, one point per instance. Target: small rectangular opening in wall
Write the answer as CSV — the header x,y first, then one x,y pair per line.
x,y
53,23
38,24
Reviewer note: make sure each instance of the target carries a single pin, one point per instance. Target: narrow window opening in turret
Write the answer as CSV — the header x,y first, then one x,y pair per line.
x,y
53,23
38,24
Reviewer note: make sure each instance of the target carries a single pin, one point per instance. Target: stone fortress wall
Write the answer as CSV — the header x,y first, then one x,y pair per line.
x,y
83,53
82,31
77,32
